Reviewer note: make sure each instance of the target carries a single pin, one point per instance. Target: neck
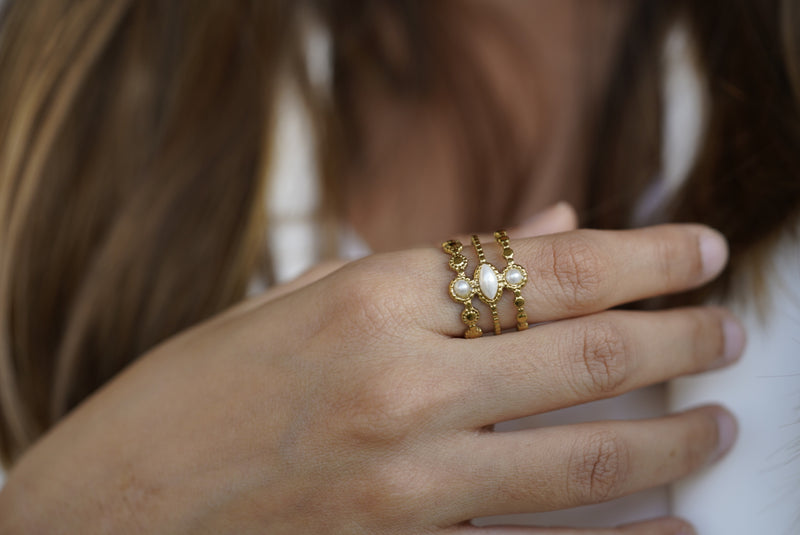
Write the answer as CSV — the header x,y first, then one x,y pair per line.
x,y
546,64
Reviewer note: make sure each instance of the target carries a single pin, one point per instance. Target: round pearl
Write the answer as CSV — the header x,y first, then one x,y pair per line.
x,y
514,276
462,289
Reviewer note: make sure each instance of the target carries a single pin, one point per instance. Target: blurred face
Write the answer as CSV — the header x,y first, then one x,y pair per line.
x,y
547,63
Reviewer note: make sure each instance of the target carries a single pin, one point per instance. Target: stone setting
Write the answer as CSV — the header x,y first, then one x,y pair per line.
x,y
462,289
488,282
515,276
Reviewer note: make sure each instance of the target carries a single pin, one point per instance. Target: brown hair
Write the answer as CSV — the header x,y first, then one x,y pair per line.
x,y
746,179
133,151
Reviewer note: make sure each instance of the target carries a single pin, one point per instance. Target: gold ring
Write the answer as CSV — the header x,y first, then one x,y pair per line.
x,y
514,278
462,289
489,283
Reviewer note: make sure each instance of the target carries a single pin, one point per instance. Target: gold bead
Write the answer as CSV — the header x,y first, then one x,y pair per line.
x,y
473,332
470,315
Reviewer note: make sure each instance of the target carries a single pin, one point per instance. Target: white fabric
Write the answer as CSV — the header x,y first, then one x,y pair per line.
x,y
293,193
756,488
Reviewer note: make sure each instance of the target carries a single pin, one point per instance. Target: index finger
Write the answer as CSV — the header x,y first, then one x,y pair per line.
x,y
579,272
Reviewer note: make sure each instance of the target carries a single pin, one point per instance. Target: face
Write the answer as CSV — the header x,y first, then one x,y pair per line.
x,y
546,63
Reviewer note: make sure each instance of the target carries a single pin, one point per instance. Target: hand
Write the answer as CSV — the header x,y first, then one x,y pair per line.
x,y
352,405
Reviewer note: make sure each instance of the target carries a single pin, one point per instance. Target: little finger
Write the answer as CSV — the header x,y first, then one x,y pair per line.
x,y
561,467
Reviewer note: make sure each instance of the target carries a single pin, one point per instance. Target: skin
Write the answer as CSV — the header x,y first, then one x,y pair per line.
x,y
349,403
550,62
346,401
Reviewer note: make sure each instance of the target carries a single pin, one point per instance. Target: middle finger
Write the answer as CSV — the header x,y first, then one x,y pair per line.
x,y
574,361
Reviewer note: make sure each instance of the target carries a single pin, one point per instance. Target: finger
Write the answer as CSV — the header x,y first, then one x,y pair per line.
x,y
573,273
569,362
561,467
560,217
660,526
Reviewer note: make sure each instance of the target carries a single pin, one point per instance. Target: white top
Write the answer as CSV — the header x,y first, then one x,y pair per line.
x,y
756,488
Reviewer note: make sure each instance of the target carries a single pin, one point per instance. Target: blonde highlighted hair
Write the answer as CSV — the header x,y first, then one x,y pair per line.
x,y
134,141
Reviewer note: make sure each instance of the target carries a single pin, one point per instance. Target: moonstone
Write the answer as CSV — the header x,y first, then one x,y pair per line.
x,y
514,276
462,289
487,279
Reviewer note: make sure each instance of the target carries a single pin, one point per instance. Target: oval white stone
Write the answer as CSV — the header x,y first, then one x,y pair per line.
x,y
462,288
514,276
487,279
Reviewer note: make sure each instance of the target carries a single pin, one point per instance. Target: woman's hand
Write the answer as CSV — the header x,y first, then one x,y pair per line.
x,y
353,405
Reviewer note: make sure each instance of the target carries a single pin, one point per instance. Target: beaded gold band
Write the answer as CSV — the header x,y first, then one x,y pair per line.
x,y
487,283
514,277
461,288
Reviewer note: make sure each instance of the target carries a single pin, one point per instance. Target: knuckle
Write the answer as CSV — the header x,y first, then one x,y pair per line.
x,y
384,494
576,269
403,482
362,298
385,411
604,358
598,468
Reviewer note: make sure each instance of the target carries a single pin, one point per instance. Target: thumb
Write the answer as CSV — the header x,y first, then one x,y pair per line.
x,y
560,217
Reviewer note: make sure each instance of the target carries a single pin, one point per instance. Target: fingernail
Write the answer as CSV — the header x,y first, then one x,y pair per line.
x,y
727,429
735,339
714,252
